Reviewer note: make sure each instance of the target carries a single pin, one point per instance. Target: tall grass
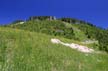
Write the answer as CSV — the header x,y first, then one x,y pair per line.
x,y
29,51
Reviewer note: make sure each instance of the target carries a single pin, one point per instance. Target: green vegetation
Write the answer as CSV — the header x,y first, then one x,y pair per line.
x,y
26,45
66,27
99,34
56,28
22,50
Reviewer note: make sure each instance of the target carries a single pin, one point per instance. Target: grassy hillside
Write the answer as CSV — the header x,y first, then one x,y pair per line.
x,y
22,50
59,28
79,34
56,27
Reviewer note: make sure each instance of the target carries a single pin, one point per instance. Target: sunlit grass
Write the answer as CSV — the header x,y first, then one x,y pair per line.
x,y
29,51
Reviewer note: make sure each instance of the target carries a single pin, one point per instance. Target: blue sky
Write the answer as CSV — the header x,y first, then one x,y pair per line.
x,y
94,11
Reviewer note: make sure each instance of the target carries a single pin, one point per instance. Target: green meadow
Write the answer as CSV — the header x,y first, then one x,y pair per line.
x,y
23,50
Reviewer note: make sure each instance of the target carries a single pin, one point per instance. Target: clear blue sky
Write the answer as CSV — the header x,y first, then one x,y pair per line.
x,y
94,11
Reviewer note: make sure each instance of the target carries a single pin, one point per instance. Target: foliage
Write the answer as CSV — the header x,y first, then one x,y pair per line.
x,y
99,34
103,40
21,50
56,28
65,27
69,20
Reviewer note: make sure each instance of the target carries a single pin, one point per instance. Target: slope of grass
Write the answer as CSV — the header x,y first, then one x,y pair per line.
x,y
80,35
28,51
57,28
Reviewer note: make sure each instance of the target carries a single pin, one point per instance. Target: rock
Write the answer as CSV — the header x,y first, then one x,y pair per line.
x,y
73,46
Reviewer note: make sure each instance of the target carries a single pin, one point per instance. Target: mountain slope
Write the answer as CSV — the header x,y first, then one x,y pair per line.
x,y
22,50
59,28
56,27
